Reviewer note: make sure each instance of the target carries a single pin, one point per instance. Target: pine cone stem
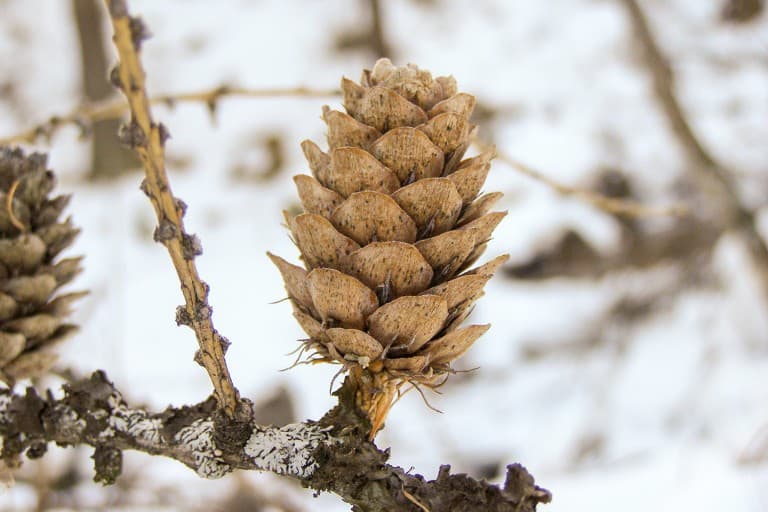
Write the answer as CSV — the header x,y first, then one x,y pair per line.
x,y
147,138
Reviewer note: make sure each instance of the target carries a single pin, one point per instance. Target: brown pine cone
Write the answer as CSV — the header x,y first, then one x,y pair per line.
x,y
32,314
392,222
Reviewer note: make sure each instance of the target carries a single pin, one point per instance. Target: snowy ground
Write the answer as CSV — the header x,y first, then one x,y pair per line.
x,y
657,423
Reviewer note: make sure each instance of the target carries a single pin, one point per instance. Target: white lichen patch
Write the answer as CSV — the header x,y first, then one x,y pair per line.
x,y
138,425
286,450
5,403
70,424
198,439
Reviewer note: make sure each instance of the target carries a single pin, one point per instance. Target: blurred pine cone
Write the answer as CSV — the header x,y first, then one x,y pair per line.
x,y
32,316
392,221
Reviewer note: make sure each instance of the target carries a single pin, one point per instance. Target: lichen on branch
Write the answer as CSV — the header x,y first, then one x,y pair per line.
x,y
93,412
330,455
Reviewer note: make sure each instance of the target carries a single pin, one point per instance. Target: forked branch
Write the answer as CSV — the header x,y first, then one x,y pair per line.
x,y
329,455
147,138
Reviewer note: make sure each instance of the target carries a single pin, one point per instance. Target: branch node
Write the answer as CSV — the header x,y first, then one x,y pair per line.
x,y
131,135
165,232
163,133
181,206
519,483
191,246
117,8
182,317
203,311
108,464
37,450
224,342
139,32
144,187
231,434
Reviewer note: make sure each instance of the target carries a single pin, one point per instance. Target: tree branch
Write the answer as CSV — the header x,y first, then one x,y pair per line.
x,y
610,205
332,454
148,139
87,114
711,174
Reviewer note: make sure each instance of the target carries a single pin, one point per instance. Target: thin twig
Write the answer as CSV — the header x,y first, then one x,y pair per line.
x,y
608,204
413,499
148,138
710,173
114,108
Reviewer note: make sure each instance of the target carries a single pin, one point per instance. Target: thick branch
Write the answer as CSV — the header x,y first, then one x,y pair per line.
x,y
148,139
330,455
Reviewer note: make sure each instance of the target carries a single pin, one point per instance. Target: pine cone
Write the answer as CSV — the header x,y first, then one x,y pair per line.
x,y
392,222
32,316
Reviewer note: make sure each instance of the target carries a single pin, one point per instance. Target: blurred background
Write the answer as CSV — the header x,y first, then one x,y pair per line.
x,y
627,362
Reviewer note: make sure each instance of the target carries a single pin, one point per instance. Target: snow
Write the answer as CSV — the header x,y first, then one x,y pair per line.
x,y
655,417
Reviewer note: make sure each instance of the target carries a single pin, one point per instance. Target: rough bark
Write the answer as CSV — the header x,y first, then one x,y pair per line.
x,y
331,455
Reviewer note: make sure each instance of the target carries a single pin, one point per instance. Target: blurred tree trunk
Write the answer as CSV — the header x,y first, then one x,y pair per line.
x,y
379,41
108,157
741,11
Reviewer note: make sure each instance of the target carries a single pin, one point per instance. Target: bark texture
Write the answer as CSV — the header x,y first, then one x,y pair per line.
x,y
332,454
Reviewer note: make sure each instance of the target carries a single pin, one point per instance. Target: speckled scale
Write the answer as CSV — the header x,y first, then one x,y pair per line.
x,y
345,130
407,323
379,107
447,252
295,279
447,131
340,299
315,198
433,203
354,170
454,344
319,242
397,267
409,153
462,104
355,342
367,217
479,207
